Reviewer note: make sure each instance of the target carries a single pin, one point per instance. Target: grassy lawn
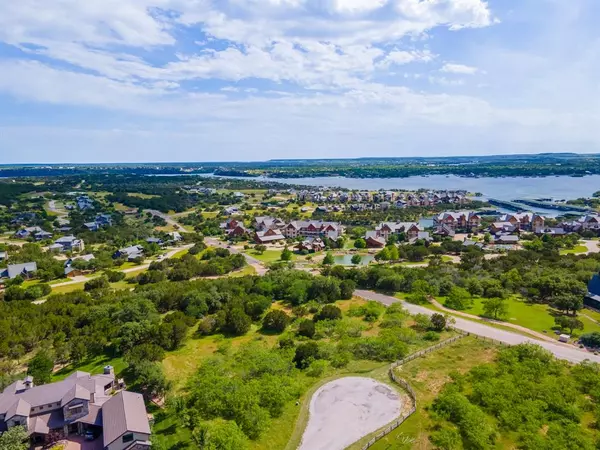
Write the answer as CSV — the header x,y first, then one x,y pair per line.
x,y
181,253
269,256
68,288
575,250
94,366
246,270
427,376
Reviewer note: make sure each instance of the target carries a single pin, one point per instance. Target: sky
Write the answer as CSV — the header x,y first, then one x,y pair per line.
x,y
220,80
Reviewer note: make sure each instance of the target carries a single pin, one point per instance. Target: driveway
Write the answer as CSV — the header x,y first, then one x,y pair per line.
x,y
79,443
572,354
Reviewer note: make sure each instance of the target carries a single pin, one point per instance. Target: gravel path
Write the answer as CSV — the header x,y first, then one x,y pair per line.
x,y
347,409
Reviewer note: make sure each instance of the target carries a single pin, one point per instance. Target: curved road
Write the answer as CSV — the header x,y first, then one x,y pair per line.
x,y
569,353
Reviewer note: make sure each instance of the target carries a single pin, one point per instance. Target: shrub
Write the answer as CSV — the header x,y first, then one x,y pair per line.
x,y
306,328
276,320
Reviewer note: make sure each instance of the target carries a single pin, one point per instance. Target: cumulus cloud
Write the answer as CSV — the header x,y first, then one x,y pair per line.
x,y
459,69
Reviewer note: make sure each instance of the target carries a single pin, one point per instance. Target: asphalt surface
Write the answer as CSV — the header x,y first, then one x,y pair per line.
x,y
566,352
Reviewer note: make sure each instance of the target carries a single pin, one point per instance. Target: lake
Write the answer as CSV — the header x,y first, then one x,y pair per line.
x,y
346,260
508,188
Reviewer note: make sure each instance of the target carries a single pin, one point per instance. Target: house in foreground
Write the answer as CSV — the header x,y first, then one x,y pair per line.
x,y
25,270
78,404
269,236
131,253
68,244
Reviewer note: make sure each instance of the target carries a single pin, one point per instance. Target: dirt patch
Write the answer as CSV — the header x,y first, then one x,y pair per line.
x,y
345,410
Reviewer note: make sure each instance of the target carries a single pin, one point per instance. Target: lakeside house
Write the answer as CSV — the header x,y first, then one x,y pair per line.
x,y
373,240
312,228
78,404
310,245
25,270
526,221
264,223
458,220
387,229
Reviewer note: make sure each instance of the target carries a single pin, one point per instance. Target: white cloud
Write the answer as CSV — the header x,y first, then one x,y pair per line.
x,y
459,69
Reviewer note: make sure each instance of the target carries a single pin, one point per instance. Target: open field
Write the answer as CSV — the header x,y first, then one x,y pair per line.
x,y
575,250
427,376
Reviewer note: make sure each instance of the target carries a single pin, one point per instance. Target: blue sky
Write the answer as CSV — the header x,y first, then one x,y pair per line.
x,y
206,80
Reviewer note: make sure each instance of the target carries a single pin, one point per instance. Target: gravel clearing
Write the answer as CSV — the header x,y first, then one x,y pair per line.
x,y
345,410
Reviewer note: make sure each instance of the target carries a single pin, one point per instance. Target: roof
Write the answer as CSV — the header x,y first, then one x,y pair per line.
x,y
66,240
125,412
18,408
594,285
17,269
77,392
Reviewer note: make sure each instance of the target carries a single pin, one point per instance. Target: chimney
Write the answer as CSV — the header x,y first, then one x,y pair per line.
x,y
28,382
109,370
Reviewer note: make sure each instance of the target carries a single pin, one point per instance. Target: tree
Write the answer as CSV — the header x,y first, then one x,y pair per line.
x,y
438,322
458,299
305,354
15,438
237,322
286,254
328,260
40,367
347,289
360,243
260,249
570,323
306,328
383,255
591,339
276,320
567,302
356,259
495,307
328,312
96,283
219,434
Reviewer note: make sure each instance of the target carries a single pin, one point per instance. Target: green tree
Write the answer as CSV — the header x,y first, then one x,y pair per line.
x,y
569,323
14,439
237,322
276,320
40,367
360,243
328,312
286,254
495,308
328,260
438,322
219,434
356,259
260,249
458,299
305,354
306,328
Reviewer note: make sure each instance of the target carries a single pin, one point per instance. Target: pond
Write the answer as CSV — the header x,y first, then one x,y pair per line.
x,y
346,260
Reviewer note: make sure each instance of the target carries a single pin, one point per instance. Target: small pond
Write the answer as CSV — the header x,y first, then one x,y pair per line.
x,y
346,260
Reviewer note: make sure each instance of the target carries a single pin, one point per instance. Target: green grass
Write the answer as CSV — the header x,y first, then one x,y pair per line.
x,y
269,256
68,288
246,270
575,250
94,366
181,253
427,376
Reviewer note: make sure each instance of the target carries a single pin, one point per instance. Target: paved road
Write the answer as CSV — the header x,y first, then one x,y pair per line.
x,y
568,353
168,219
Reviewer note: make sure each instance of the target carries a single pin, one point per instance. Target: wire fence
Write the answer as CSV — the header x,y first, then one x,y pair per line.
x,y
404,384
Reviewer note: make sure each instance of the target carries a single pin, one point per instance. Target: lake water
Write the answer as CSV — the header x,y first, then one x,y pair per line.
x,y
346,260
508,188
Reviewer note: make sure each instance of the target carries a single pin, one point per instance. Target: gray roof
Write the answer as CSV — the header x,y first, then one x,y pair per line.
x,y
17,269
125,412
18,408
66,240
76,392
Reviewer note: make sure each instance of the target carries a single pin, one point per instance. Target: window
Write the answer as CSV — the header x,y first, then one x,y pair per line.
x,y
128,437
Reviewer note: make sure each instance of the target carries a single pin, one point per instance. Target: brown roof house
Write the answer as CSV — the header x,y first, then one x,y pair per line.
x,y
78,404
268,236
373,240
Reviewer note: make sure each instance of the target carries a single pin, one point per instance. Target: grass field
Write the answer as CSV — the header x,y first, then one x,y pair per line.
x,y
575,250
269,256
427,376
93,366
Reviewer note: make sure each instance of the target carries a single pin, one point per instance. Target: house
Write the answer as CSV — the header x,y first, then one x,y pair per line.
x,y
69,244
592,299
506,239
589,222
524,221
458,220
175,236
445,230
101,220
387,229
503,227
154,240
268,236
42,235
24,233
131,253
238,231
421,236
374,241
263,223
79,403
230,224
25,270
231,211
312,228
311,245
84,203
